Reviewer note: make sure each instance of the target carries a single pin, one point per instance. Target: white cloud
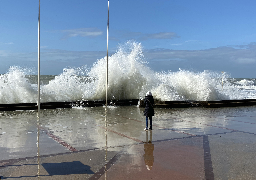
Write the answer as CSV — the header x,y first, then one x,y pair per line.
x,y
143,36
83,32
238,62
3,53
161,35
52,61
178,44
189,43
9,43
246,60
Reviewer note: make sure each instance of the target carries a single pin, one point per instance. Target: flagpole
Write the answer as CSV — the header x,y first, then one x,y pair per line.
x,y
107,60
38,102
106,124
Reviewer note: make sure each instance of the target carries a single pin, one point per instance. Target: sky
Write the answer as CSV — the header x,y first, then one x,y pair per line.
x,y
213,35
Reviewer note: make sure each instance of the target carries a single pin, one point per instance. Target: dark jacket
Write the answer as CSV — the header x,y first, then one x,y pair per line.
x,y
149,103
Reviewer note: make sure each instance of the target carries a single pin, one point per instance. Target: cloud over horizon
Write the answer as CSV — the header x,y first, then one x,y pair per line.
x,y
238,61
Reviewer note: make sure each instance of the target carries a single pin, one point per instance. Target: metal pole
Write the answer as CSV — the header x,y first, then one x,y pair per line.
x,y
106,124
38,102
107,60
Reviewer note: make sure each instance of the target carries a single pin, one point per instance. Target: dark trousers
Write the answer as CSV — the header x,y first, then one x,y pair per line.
x,y
150,119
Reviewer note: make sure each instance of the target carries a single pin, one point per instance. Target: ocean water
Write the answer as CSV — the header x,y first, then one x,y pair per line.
x,y
129,78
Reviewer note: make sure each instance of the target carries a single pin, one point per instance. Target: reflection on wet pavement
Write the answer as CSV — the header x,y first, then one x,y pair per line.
x,y
92,143
149,152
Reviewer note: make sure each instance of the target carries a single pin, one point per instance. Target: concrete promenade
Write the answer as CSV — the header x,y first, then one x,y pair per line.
x,y
212,145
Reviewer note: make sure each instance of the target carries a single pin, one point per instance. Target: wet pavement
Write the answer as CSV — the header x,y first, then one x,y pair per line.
x,y
91,143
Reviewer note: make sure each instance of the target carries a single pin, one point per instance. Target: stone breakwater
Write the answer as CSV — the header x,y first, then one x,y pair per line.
x,y
129,102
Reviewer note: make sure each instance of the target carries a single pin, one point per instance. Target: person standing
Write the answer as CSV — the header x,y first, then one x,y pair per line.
x,y
149,109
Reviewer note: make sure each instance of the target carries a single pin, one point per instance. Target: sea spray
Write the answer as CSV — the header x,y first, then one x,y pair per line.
x,y
68,86
187,85
15,87
129,78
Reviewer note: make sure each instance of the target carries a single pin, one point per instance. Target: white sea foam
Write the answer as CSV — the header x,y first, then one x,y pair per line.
x,y
15,87
245,82
129,77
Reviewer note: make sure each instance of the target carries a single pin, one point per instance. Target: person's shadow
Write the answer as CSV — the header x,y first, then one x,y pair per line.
x,y
149,148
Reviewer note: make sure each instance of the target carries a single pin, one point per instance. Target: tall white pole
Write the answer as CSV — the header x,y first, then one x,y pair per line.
x,y
107,60
38,102
106,124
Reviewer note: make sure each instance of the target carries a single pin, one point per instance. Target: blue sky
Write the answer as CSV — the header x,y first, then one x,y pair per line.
x,y
194,35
